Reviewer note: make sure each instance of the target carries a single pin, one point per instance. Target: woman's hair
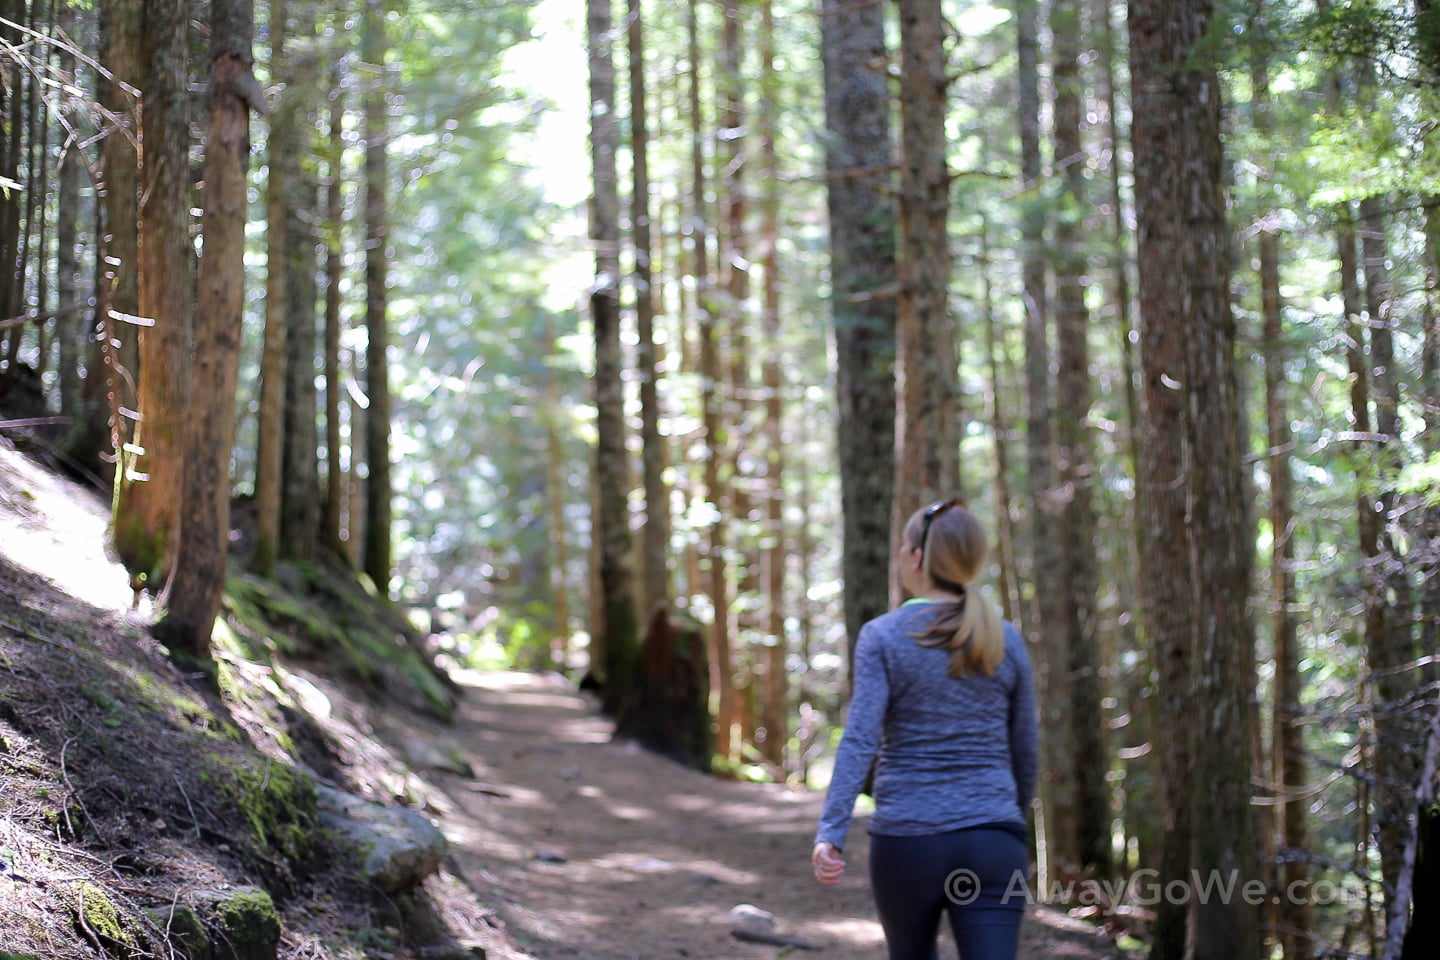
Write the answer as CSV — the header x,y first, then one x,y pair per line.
x,y
953,546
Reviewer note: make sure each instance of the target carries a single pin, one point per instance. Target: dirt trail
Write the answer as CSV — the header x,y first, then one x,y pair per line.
x,y
599,850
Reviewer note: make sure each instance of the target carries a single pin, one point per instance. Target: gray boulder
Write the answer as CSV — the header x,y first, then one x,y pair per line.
x,y
397,848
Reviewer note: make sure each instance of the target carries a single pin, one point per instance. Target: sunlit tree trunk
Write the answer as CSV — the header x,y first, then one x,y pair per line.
x,y
331,518
1078,650
710,404
284,169
120,51
927,435
12,111
555,489
774,712
862,218
1046,619
620,626
737,711
147,508
70,333
37,200
1004,551
193,597
1287,767
374,47
656,536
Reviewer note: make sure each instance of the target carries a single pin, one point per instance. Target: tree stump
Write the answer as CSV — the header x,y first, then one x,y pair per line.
x,y
668,709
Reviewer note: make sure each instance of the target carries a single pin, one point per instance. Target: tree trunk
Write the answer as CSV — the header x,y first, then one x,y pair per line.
x,y
1392,647
1074,470
1288,770
300,472
1139,797
13,114
775,709
68,203
656,538
331,522
120,31
721,662
667,706
1000,429
555,484
198,581
927,437
1046,622
736,706
147,508
284,169
374,46
861,204
620,627
1197,558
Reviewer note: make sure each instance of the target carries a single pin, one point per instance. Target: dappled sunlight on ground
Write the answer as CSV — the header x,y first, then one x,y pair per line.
x,y
60,536
599,850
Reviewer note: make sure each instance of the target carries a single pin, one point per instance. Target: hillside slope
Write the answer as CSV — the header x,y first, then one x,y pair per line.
x,y
124,782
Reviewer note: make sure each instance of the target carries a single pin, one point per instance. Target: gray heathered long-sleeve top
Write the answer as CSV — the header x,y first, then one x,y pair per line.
x,y
949,752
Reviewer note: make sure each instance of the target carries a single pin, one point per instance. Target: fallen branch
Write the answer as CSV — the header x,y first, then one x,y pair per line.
x,y
42,317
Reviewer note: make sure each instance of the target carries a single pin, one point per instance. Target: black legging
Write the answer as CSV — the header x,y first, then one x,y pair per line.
x,y
914,880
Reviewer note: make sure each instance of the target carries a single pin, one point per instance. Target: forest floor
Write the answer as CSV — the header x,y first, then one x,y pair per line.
x,y
593,848
565,843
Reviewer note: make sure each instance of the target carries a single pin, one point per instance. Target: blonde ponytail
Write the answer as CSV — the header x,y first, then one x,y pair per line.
x,y
953,544
973,633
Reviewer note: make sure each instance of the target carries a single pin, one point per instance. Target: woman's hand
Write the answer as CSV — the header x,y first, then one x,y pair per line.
x,y
829,865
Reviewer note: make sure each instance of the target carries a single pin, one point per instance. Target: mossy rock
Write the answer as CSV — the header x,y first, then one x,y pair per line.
x,y
277,803
245,925
97,917
7,955
183,931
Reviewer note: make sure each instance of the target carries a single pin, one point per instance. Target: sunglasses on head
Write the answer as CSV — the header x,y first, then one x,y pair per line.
x,y
931,512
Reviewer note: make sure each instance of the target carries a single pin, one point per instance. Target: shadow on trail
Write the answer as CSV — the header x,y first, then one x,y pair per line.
x,y
597,849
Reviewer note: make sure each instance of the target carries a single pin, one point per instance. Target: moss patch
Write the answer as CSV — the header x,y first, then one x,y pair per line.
x,y
246,925
97,916
278,802
183,931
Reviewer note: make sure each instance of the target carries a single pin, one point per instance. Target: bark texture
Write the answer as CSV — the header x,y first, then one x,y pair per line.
x,y
198,583
377,268
1079,647
612,468
1197,554
927,435
147,508
861,204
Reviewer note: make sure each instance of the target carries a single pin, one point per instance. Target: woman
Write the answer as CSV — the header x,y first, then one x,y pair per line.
x,y
944,707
